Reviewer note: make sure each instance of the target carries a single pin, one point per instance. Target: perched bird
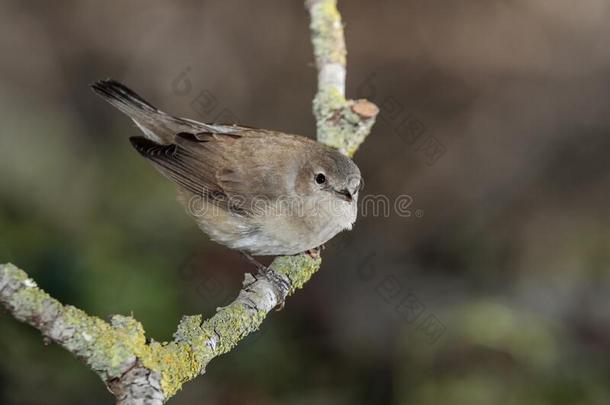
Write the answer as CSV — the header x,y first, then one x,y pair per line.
x,y
258,191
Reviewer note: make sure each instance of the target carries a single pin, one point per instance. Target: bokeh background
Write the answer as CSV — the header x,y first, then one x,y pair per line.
x,y
496,290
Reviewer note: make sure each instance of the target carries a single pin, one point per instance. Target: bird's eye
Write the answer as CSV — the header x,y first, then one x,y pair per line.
x,y
320,178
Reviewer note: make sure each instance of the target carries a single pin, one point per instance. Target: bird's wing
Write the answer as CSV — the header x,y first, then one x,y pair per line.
x,y
229,169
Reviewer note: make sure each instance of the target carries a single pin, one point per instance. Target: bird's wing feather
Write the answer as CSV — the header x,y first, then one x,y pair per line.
x,y
229,170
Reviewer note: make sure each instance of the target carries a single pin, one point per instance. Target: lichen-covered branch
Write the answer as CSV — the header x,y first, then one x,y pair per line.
x,y
142,371
136,369
341,123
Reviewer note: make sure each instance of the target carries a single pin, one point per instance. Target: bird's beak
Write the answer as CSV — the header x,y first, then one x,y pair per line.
x,y
344,194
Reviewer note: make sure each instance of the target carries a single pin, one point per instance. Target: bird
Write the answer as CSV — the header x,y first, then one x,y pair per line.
x,y
261,192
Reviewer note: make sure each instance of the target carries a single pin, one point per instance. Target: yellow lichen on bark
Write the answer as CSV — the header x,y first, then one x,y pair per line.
x,y
327,31
111,348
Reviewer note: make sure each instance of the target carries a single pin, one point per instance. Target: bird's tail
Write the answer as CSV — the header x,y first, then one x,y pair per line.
x,y
123,98
156,125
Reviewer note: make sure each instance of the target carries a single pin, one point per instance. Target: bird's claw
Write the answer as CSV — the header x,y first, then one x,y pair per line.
x,y
260,268
280,306
315,252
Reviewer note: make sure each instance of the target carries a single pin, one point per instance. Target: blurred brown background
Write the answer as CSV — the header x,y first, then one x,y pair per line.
x,y
494,291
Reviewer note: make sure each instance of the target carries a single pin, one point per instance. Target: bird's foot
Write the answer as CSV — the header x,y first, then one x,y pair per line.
x,y
260,268
280,306
315,252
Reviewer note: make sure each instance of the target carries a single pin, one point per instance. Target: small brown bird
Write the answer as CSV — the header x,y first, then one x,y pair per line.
x,y
258,191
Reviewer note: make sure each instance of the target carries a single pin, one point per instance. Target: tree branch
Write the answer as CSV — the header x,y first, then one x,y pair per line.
x,y
118,351
341,123
138,371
